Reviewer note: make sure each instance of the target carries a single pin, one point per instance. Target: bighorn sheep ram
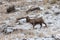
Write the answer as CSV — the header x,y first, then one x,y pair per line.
x,y
34,21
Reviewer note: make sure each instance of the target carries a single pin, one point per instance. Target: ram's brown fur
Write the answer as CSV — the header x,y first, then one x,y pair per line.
x,y
36,21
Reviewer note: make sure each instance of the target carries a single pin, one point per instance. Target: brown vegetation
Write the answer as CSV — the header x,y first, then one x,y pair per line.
x,y
37,8
11,9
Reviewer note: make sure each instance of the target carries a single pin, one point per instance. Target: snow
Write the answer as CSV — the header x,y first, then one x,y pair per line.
x,y
22,21
29,0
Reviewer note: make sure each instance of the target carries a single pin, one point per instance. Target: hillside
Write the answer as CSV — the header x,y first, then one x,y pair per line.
x,y
43,22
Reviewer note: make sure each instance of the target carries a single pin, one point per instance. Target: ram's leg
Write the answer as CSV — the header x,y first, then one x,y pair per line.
x,y
41,25
33,24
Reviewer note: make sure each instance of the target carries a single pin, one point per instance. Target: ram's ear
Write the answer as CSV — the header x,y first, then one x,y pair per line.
x,y
27,18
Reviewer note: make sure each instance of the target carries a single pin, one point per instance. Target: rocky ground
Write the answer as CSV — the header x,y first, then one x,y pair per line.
x,y
13,29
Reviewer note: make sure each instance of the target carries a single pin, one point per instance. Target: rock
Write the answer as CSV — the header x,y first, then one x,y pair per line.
x,y
46,12
57,13
7,30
